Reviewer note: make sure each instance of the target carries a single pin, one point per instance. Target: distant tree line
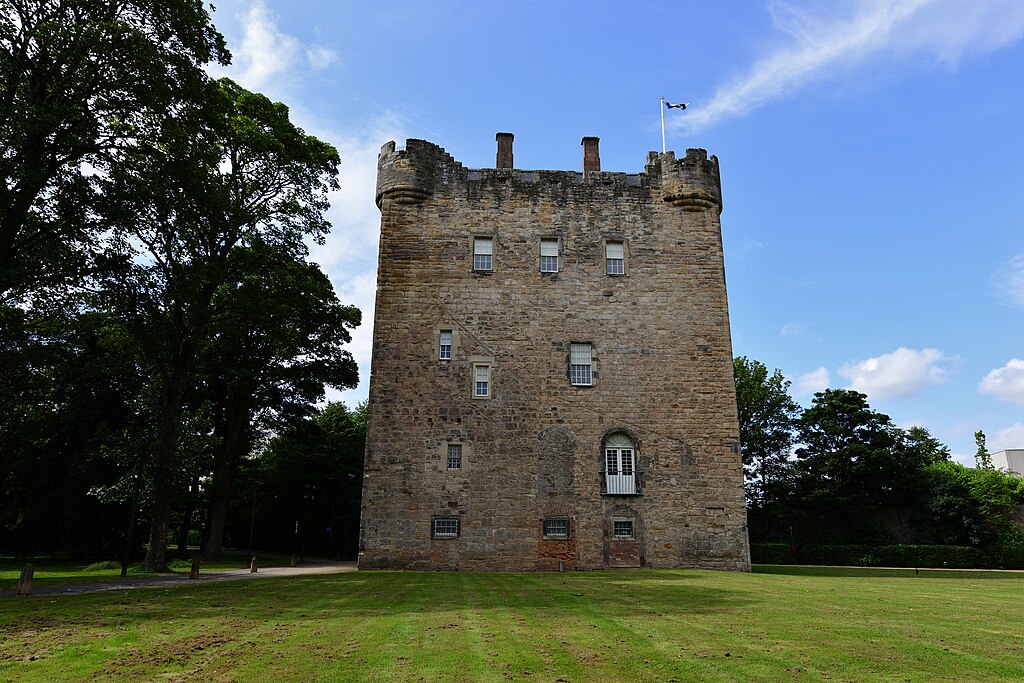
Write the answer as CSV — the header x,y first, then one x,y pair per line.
x,y
839,472
159,318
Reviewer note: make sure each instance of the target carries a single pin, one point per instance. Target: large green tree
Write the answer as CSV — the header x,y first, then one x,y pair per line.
x,y
229,170
767,417
78,78
277,338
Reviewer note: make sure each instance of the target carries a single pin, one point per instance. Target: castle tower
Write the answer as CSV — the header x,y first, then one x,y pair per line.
x,y
552,368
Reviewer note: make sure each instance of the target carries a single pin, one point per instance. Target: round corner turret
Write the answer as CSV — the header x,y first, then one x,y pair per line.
x,y
399,177
692,183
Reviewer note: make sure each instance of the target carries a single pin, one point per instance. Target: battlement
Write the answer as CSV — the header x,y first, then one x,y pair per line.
x,y
414,174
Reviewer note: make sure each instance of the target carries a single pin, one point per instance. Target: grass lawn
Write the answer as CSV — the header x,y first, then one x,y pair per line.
x,y
778,624
55,571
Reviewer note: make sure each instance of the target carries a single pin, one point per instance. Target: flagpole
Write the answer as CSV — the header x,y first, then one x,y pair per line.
x,y
662,125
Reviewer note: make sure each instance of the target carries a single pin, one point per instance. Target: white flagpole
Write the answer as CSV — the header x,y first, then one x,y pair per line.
x,y
662,125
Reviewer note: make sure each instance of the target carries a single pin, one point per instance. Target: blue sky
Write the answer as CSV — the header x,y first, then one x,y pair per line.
x,y
872,156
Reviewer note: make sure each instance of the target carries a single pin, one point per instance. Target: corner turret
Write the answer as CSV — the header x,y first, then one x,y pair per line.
x,y
692,183
409,176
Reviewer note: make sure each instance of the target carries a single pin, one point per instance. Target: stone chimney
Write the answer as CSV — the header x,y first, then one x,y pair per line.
x,y
504,150
591,158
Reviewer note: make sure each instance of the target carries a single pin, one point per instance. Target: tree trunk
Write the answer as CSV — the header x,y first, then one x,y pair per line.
x,y
166,449
236,425
187,514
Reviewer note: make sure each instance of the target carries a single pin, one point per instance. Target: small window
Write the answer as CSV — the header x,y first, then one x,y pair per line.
x,y
446,345
622,529
455,456
580,365
445,527
483,251
482,381
615,258
549,256
556,528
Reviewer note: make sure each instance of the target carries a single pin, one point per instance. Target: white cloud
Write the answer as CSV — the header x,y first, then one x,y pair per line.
x,y
811,382
320,57
827,38
1005,383
349,254
1008,281
265,52
1011,437
265,58
792,329
901,373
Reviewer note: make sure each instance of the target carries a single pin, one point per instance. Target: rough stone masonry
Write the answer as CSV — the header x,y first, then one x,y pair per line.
x,y
552,368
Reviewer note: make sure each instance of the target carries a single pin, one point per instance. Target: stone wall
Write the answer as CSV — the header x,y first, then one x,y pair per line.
x,y
532,450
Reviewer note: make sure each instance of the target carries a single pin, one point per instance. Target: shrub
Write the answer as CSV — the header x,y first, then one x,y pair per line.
x,y
102,566
933,556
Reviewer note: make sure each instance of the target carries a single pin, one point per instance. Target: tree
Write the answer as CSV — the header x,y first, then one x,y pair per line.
x,y
312,473
77,79
228,170
982,458
276,341
767,417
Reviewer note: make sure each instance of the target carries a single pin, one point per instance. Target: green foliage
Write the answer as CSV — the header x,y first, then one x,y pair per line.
x,y
982,457
936,556
78,78
767,417
859,479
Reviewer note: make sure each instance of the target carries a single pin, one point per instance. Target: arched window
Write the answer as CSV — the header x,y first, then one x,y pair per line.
x,y
620,464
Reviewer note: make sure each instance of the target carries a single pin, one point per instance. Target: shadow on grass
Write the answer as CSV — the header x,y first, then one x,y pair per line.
x,y
885,572
568,596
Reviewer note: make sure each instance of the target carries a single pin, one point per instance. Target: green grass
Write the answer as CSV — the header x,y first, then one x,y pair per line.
x,y
779,624
58,571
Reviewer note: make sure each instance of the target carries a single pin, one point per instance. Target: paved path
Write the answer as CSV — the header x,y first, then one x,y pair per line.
x,y
306,569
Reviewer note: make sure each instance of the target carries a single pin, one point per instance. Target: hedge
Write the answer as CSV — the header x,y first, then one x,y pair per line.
x,y
934,556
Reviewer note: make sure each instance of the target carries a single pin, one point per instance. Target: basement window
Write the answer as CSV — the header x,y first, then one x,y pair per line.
x,y
445,527
622,530
556,528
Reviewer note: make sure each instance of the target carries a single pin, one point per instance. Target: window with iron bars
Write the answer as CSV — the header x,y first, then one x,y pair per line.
x,y
622,529
445,527
556,528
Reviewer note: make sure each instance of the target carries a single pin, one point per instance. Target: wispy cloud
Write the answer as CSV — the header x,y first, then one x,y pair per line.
x,y
903,372
1008,281
825,39
1010,437
265,58
1005,383
349,255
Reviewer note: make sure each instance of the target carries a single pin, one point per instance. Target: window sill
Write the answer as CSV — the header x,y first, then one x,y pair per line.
x,y
623,495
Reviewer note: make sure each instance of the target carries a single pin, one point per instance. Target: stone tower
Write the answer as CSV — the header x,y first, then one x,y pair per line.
x,y
552,368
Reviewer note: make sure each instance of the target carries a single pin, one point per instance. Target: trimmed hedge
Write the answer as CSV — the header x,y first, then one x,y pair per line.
x,y
935,556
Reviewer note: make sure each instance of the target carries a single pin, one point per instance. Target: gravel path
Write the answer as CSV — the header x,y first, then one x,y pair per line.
x,y
305,569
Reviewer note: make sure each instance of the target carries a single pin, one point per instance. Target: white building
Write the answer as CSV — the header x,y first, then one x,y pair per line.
x,y
1011,459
